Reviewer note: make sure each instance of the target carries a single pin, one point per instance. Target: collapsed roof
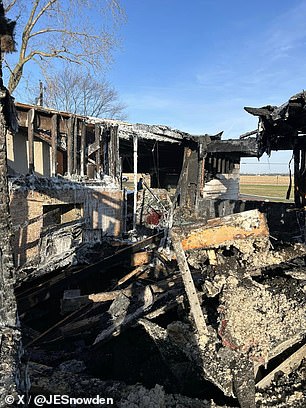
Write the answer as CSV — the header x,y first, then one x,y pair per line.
x,y
281,127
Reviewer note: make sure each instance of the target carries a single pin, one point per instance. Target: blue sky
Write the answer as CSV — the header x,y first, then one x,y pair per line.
x,y
195,65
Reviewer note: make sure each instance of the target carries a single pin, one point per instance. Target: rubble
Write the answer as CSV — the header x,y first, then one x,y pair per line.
x,y
248,322
176,295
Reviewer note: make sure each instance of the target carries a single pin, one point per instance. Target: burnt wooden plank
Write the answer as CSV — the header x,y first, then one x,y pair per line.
x,y
287,366
246,147
105,149
49,287
70,127
70,317
220,231
114,152
54,137
190,289
75,146
31,118
98,152
82,153
297,180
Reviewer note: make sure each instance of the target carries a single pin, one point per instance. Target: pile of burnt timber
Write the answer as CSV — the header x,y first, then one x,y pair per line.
x,y
216,318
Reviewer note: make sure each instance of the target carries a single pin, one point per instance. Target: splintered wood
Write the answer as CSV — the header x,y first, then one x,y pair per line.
x,y
286,367
221,231
190,288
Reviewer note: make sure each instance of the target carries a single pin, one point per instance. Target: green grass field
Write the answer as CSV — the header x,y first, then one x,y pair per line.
x,y
273,191
273,187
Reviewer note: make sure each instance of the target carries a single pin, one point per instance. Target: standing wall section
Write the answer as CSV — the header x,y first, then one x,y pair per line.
x,y
99,208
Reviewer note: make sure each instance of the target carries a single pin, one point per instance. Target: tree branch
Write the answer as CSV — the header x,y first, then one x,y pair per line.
x,y
9,6
42,11
52,54
58,30
62,36
27,28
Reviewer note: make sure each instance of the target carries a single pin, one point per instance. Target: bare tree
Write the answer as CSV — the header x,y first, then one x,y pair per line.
x,y
80,93
49,30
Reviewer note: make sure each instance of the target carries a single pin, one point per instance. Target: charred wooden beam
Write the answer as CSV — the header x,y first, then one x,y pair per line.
x,y
31,119
75,145
105,149
247,147
72,301
124,314
190,289
297,186
248,134
82,152
98,152
286,367
165,295
31,297
219,231
135,164
114,152
71,317
134,273
54,136
70,127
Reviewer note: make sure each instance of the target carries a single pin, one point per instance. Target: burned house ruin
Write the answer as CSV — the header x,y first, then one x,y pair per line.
x,y
179,294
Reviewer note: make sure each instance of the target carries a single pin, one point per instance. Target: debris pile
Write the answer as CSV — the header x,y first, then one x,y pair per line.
x,y
206,318
160,303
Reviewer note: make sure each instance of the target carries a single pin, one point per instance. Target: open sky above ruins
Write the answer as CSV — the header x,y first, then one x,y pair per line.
x,y
195,65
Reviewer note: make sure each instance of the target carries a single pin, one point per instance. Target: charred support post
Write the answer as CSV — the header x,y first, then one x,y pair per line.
x,y
135,160
105,149
31,118
54,137
303,177
121,180
83,141
114,153
98,152
70,126
297,187
75,146
191,182
201,172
